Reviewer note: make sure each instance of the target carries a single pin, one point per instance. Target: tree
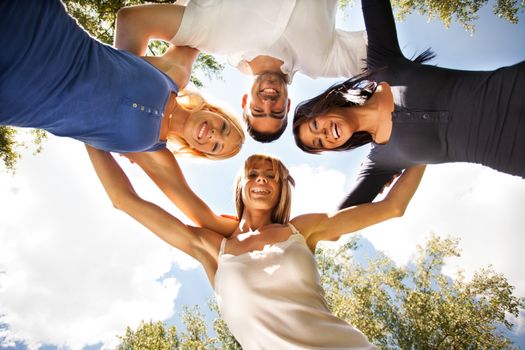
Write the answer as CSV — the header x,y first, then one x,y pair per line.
x,y
415,307
463,11
98,19
418,307
158,336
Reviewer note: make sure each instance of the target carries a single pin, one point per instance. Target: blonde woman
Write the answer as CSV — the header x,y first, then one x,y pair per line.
x,y
55,76
264,274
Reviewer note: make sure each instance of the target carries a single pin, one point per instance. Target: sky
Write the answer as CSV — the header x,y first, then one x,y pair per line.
x,y
74,271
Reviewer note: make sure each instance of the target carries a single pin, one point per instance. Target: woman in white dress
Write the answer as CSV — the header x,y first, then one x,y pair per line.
x,y
264,273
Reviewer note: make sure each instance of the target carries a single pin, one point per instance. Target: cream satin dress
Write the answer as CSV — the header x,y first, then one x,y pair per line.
x,y
272,299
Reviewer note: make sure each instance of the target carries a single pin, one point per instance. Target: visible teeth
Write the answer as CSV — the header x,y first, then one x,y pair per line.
x,y
269,91
201,131
335,132
260,191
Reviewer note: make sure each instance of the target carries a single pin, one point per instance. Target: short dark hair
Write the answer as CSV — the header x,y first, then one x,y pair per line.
x,y
264,137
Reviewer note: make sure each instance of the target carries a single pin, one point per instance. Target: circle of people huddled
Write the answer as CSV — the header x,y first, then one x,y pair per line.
x,y
116,99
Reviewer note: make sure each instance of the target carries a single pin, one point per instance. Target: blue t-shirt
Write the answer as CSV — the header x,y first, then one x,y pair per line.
x,y
54,76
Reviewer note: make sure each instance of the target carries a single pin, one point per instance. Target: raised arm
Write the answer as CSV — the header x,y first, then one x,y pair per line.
x,y
370,181
380,26
162,167
136,25
323,227
198,243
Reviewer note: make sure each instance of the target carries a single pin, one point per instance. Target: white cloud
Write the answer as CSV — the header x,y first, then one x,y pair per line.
x,y
76,271
316,189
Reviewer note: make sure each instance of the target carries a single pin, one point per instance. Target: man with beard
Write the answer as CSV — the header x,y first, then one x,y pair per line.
x,y
271,40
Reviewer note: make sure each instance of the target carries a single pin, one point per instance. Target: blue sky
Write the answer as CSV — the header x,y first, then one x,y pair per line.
x,y
76,272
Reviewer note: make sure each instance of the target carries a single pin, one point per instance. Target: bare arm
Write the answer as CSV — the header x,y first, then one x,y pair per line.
x,y
198,243
162,167
136,25
320,227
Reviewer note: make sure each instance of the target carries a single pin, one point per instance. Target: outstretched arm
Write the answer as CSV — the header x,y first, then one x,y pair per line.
x,y
380,26
198,243
162,167
320,227
136,25
371,180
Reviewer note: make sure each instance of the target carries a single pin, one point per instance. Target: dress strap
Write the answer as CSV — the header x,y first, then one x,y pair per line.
x,y
223,244
295,231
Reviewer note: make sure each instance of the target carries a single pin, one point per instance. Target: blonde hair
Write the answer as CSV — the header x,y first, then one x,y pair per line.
x,y
193,101
281,212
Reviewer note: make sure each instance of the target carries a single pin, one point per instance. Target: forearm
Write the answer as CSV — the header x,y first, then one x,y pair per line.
x,y
136,25
177,63
113,179
163,169
405,187
128,35
123,197
331,227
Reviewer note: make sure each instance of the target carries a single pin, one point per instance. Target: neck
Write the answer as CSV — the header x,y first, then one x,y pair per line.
x,y
253,220
375,116
176,123
262,64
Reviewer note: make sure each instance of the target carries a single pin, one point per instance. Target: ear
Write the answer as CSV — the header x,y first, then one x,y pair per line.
x,y
289,104
244,100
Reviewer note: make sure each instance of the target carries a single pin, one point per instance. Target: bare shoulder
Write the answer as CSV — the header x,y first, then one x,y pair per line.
x,y
307,223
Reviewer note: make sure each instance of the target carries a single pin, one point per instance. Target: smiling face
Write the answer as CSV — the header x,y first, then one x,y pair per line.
x,y
260,186
268,104
325,132
212,134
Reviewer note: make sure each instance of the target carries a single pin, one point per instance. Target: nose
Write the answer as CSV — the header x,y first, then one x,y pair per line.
x,y
261,179
267,106
214,135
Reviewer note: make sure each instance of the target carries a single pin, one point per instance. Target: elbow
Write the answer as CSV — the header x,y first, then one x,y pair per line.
x,y
397,210
120,202
123,16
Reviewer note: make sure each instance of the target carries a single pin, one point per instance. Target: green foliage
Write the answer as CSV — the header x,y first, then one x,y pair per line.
x,y
465,12
98,19
419,307
10,145
150,336
158,336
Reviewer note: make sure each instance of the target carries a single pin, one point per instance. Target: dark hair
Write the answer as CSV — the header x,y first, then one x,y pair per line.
x,y
264,137
352,92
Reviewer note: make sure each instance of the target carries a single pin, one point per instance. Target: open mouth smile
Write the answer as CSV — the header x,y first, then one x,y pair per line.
x,y
260,191
336,131
202,131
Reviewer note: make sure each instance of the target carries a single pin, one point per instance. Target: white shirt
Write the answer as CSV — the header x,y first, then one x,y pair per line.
x,y
301,33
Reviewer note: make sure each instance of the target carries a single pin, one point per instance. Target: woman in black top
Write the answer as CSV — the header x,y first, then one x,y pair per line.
x,y
424,114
